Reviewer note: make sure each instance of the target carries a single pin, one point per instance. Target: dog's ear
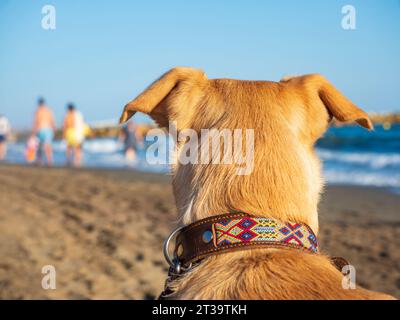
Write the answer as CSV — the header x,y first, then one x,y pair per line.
x,y
153,101
336,103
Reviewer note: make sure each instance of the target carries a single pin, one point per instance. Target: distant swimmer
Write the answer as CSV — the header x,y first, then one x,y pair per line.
x,y
74,132
44,128
130,138
5,130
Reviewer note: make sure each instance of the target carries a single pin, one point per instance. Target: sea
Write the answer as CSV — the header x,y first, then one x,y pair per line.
x,y
351,155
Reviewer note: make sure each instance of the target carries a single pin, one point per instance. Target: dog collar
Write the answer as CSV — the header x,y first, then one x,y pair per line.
x,y
233,232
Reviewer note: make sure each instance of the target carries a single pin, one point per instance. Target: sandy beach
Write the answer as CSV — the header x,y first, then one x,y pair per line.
x,y
103,231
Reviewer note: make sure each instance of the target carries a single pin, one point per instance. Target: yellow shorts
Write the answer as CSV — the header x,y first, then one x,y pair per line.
x,y
73,138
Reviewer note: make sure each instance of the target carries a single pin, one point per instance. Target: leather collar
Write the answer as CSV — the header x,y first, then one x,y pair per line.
x,y
236,231
231,232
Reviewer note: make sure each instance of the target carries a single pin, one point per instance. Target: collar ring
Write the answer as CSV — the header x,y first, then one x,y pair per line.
x,y
173,261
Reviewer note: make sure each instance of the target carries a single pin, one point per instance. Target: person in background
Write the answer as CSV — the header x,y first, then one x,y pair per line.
x,y
44,127
130,138
74,134
4,133
31,149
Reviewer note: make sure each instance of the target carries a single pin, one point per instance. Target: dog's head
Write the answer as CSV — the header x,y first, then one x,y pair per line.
x,y
268,129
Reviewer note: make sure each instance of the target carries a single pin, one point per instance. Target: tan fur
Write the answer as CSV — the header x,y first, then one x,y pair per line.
x,y
287,117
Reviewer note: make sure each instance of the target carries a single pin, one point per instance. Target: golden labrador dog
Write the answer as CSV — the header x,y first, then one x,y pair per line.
x,y
285,183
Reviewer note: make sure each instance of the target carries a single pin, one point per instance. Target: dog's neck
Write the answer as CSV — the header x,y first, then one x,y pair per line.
x,y
283,185
199,206
294,203
193,213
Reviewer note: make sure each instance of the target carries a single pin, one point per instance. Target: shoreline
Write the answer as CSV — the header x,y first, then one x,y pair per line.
x,y
130,173
103,231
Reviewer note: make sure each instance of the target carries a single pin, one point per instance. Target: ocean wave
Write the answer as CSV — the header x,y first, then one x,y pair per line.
x,y
362,178
103,146
373,159
352,167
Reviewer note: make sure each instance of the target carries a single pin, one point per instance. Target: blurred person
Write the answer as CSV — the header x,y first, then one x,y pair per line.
x,y
5,129
31,149
74,129
44,127
129,136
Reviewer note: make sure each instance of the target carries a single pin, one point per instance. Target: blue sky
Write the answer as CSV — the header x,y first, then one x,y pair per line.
x,y
103,53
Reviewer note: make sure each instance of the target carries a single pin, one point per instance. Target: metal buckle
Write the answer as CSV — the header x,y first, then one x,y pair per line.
x,y
173,262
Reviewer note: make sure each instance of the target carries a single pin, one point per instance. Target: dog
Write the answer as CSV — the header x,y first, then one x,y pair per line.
x,y
287,117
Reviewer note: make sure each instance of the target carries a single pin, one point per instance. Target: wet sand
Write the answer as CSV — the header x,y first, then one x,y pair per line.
x,y
103,231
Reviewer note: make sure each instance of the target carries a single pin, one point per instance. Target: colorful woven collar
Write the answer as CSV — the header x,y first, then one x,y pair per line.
x,y
249,229
236,231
